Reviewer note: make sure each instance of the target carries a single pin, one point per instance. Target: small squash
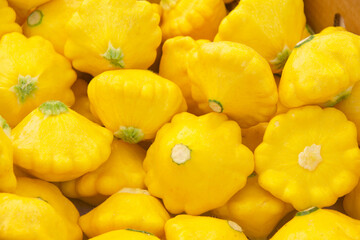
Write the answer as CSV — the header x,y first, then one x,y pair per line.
x,y
111,34
202,158
315,223
134,104
55,143
31,73
7,19
129,208
186,227
309,157
24,7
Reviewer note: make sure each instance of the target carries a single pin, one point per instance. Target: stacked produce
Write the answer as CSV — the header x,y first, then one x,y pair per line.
x,y
176,120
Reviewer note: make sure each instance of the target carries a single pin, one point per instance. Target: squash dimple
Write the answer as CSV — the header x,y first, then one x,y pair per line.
x,y
310,158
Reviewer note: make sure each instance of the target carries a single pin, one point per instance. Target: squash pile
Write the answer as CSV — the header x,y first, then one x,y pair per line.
x,y
177,120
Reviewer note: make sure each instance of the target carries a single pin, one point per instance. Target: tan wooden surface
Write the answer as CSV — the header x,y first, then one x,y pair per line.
x,y
320,13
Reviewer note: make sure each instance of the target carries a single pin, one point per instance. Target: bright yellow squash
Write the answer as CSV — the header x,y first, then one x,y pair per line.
x,y
7,19
36,188
7,177
321,70
309,157
134,104
129,208
319,224
55,143
24,7
177,50
351,107
202,158
122,169
49,21
351,203
232,78
113,34
198,19
33,218
82,103
186,227
271,27
254,209
128,234
31,73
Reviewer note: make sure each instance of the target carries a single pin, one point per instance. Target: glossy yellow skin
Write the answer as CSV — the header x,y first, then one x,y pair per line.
x,y
138,100
218,166
133,30
253,136
132,208
24,7
177,50
254,209
270,27
351,203
323,224
122,169
125,234
60,147
35,57
33,218
197,19
236,77
51,25
82,103
7,177
7,18
309,157
351,107
186,227
36,188
321,70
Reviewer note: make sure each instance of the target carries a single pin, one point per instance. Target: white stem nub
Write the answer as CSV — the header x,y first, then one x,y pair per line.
x,y
235,226
310,158
134,191
180,154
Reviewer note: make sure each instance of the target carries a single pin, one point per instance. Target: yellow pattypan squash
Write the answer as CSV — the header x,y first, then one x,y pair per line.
x,y
176,50
232,78
24,217
113,34
351,203
7,18
122,169
128,234
309,157
322,69
351,107
198,19
55,143
7,177
31,73
270,27
129,208
254,209
134,104
49,21
24,7
82,103
202,158
253,136
319,224
36,188
185,227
